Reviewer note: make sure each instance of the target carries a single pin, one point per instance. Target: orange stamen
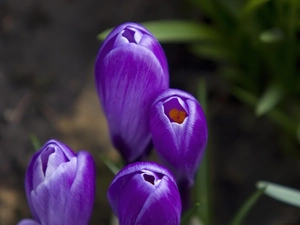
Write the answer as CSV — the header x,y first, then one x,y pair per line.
x,y
177,116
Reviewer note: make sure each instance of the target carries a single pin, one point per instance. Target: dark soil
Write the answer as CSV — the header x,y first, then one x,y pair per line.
x,y
47,53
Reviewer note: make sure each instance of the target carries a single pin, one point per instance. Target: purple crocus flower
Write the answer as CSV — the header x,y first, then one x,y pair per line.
x,y
60,186
145,193
131,71
179,134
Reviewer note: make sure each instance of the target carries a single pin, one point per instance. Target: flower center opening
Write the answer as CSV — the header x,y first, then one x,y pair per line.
x,y
149,178
177,116
174,110
129,35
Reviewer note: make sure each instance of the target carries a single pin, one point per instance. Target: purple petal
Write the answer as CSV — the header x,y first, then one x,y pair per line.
x,y
48,199
131,70
163,206
36,170
180,142
127,86
140,166
109,42
129,209
155,201
27,222
80,199
60,185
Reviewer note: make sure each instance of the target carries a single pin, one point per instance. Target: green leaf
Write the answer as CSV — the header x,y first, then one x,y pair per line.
x,y
35,142
203,183
298,133
210,51
244,210
283,120
202,190
270,98
103,34
177,31
110,164
271,36
244,96
208,7
251,6
202,94
187,216
284,194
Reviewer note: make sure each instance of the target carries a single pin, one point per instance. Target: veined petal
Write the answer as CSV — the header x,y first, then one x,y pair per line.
x,y
129,209
60,185
106,47
131,70
35,172
166,194
179,133
49,198
80,199
145,193
129,84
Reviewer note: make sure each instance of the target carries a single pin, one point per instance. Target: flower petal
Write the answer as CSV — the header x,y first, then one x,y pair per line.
x,y
131,70
80,199
180,139
48,199
155,211
145,193
109,42
128,86
35,171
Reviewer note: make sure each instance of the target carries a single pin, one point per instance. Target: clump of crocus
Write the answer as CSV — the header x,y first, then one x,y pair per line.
x,y
145,193
131,71
179,133
60,186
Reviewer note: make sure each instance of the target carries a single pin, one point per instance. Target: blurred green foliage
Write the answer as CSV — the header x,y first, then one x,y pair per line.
x,y
258,47
256,44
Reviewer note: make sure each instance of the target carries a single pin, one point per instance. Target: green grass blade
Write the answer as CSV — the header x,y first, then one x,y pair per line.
x,y
177,31
187,216
110,164
298,133
271,97
35,142
283,120
246,207
212,52
271,36
203,185
203,191
281,193
251,6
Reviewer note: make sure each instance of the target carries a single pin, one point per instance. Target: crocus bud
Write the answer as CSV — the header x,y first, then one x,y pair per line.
x,y
145,193
179,133
131,71
60,186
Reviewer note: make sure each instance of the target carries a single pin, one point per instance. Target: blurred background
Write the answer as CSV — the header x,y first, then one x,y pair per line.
x,y
247,52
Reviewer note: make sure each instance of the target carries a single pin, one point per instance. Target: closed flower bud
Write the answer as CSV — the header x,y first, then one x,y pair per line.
x,y
179,133
145,193
60,186
131,71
